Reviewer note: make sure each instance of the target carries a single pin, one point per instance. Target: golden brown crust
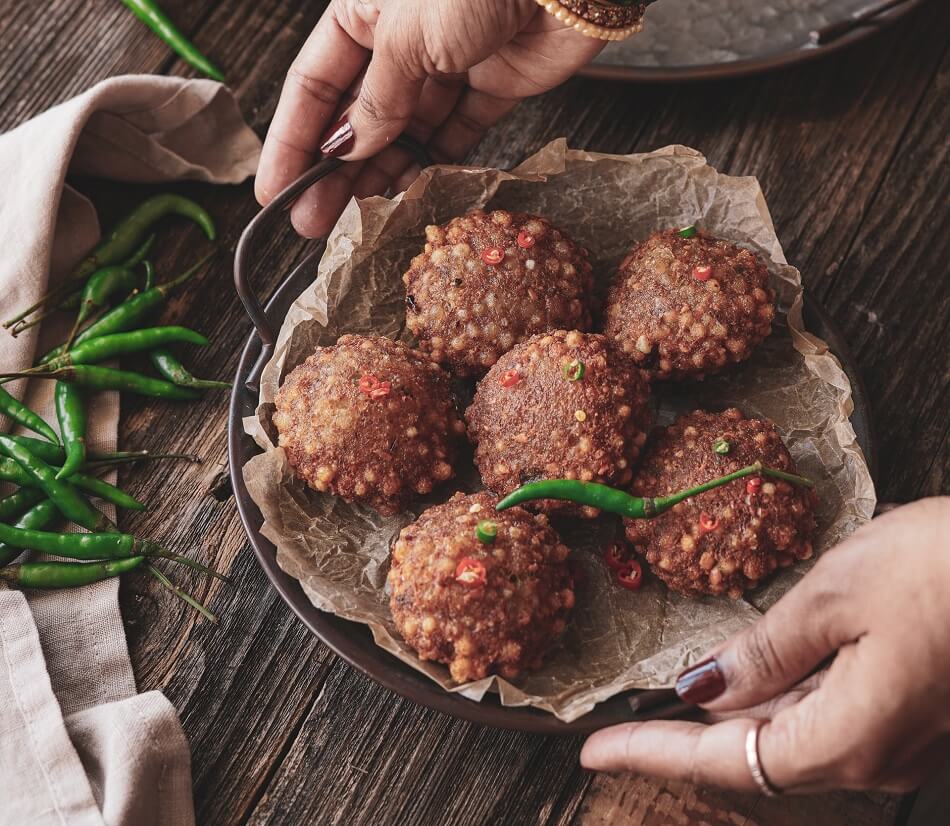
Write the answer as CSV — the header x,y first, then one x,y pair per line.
x,y
548,427
677,325
383,448
728,539
466,312
507,625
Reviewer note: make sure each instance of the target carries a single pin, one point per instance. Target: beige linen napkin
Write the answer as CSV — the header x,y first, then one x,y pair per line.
x,y
78,745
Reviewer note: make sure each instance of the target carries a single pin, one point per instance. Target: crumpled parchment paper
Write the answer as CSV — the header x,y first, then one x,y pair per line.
x,y
618,640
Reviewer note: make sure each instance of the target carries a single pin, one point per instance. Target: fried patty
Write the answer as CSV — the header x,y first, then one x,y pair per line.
x,y
686,307
370,420
563,405
480,607
726,540
487,281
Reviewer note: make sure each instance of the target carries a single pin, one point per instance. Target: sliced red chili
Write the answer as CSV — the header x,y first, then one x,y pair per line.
x,y
707,523
702,273
373,387
493,255
381,390
526,240
616,557
471,572
631,577
510,378
753,485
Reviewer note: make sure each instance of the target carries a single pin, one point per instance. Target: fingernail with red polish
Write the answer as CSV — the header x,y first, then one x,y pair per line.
x,y
339,139
701,683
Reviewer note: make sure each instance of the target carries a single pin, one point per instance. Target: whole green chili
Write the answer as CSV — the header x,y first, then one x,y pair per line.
x,y
71,412
103,348
130,312
14,409
107,378
54,455
617,501
37,518
16,504
98,545
71,503
50,575
124,240
173,370
101,286
11,471
152,16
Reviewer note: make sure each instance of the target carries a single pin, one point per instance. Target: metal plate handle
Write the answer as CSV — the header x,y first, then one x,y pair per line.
x,y
243,255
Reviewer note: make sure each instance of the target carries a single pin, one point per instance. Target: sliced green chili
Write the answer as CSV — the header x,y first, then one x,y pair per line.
x,y
486,531
71,413
574,370
617,501
687,232
14,409
173,370
722,447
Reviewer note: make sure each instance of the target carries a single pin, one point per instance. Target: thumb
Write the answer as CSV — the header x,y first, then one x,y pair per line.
x,y
807,625
387,99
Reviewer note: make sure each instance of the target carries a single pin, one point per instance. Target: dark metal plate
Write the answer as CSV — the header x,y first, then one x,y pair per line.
x,y
354,643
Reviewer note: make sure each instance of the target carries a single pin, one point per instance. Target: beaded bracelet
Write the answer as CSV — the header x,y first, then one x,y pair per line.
x,y
604,19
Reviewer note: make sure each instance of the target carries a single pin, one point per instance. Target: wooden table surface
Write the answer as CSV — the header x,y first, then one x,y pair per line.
x,y
852,153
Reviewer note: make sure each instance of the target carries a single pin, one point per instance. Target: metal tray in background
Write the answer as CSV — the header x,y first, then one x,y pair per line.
x,y
687,40
353,641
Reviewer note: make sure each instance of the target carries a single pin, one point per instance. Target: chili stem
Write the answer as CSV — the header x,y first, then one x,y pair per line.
x,y
183,595
191,563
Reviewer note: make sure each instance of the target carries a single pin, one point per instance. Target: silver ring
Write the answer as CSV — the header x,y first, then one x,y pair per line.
x,y
761,779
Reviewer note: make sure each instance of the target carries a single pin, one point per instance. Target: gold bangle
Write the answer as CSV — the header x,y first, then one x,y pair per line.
x,y
598,18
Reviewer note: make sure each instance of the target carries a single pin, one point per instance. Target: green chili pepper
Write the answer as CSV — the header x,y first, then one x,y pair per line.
x,y
486,531
16,504
687,232
173,370
11,471
50,575
103,348
101,286
71,503
37,518
138,256
125,240
722,447
106,378
17,411
632,507
129,313
574,370
71,413
152,16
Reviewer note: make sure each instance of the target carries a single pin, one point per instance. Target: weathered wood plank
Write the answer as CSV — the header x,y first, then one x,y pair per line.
x,y
282,731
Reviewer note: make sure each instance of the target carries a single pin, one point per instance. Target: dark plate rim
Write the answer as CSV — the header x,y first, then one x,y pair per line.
x,y
353,642
751,66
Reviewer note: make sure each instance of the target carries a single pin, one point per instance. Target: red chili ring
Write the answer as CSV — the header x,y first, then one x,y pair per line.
x,y
510,378
702,273
493,255
631,577
526,240
616,557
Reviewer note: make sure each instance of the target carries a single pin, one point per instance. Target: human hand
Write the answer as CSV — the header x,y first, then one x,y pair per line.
x,y
877,718
442,71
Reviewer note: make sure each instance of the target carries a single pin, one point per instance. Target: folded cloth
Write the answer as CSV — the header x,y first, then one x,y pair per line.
x,y
78,745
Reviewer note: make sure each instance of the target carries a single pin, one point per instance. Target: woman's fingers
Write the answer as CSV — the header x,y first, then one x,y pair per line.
x,y
806,626
329,62
690,752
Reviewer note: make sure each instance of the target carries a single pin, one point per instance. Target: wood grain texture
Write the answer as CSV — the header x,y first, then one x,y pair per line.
x,y
852,154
